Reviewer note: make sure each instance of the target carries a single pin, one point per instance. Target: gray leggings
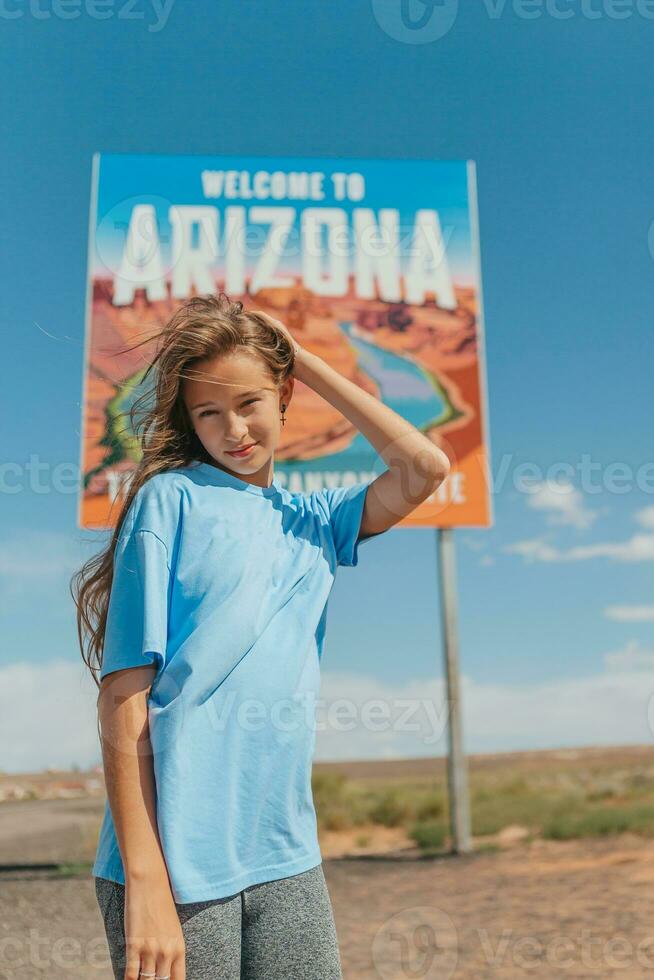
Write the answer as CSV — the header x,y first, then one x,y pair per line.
x,y
276,930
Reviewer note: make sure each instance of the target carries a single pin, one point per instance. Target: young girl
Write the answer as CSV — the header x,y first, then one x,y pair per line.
x,y
206,619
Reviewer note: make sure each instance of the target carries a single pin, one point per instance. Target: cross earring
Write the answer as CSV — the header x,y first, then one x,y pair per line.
x,y
283,417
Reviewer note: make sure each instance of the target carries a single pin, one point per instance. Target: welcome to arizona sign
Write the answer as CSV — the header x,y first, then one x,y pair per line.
x,y
372,264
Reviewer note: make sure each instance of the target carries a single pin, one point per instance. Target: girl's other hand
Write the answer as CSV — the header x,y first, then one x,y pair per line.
x,y
154,939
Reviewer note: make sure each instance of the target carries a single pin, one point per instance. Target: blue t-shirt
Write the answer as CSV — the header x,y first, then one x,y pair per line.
x,y
224,585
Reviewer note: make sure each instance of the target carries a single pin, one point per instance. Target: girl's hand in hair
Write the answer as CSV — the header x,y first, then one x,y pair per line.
x,y
291,339
301,355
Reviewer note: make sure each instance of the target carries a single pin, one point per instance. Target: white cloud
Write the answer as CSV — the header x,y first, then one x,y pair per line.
x,y
631,657
48,713
474,544
630,614
565,505
534,549
640,547
607,708
47,716
562,504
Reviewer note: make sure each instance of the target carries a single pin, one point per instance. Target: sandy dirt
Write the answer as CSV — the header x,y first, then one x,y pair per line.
x,y
542,908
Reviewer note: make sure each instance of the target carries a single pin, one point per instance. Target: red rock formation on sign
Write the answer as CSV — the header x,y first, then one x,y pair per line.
x,y
443,341
313,427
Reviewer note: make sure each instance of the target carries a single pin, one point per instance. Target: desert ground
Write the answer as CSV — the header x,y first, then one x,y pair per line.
x,y
518,905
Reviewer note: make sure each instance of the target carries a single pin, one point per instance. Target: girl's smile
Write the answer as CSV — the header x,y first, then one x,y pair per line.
x,y
239,453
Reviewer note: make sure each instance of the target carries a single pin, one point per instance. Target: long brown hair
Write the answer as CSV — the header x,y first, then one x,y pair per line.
x,y
203,327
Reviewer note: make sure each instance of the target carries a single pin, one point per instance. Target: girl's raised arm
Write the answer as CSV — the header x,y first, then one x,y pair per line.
x,y
416,467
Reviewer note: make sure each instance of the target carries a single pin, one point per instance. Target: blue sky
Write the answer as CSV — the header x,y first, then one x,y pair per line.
x,y
555,600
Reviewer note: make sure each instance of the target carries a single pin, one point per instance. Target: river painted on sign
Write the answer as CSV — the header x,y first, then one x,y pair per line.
x,y
404,386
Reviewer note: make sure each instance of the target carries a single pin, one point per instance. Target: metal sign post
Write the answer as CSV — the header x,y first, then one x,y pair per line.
x,y
457,775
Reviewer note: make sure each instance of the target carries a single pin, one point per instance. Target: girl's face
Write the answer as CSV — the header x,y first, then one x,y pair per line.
x,y
238,405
